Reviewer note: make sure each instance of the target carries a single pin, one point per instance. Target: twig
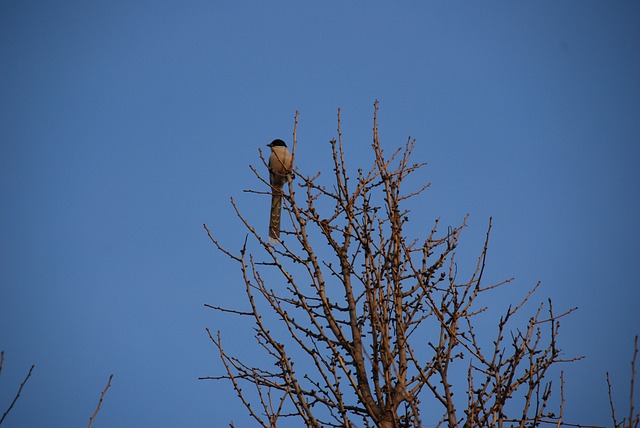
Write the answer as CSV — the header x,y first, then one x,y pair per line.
x,y
231,311
633,418
559,424
613,411
217,244
19,391
100,402
295,138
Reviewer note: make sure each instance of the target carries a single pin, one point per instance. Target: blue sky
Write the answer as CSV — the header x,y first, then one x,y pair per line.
x,y
126,125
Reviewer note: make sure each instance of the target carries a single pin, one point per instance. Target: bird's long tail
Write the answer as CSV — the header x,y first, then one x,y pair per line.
x,y
274,221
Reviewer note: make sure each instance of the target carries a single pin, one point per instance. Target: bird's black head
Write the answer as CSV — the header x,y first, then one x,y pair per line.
x,y
276,143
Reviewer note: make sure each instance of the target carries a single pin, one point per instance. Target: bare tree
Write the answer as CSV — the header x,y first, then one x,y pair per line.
x,y
379,330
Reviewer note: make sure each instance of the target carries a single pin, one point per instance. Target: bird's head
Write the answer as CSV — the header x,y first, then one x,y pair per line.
x,y
277,143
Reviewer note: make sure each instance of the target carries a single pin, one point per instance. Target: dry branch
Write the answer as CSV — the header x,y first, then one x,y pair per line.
x,y
19,389
104,392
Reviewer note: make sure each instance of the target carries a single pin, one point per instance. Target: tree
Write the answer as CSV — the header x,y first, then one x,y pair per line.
x,y
387,330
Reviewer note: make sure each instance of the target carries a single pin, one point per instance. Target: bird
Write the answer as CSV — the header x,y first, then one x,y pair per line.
x,y
280,165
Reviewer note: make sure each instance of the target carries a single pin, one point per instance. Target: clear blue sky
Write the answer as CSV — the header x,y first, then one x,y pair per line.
x,y
125,125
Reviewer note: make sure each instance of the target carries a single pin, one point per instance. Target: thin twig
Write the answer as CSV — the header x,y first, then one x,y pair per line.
x,y
613,411
559,424
19,391
231,311
100,402
633,418
295,138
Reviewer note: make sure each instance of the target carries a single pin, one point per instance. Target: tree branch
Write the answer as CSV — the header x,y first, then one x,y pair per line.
x,y
104,392
19,390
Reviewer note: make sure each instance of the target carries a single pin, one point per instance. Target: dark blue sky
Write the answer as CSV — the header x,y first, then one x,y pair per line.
x,y
125,125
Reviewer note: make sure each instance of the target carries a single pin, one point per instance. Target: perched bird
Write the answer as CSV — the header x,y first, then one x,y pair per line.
x,y
280,163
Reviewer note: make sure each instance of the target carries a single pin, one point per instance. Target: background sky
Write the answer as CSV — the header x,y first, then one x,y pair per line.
x,y
126,125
